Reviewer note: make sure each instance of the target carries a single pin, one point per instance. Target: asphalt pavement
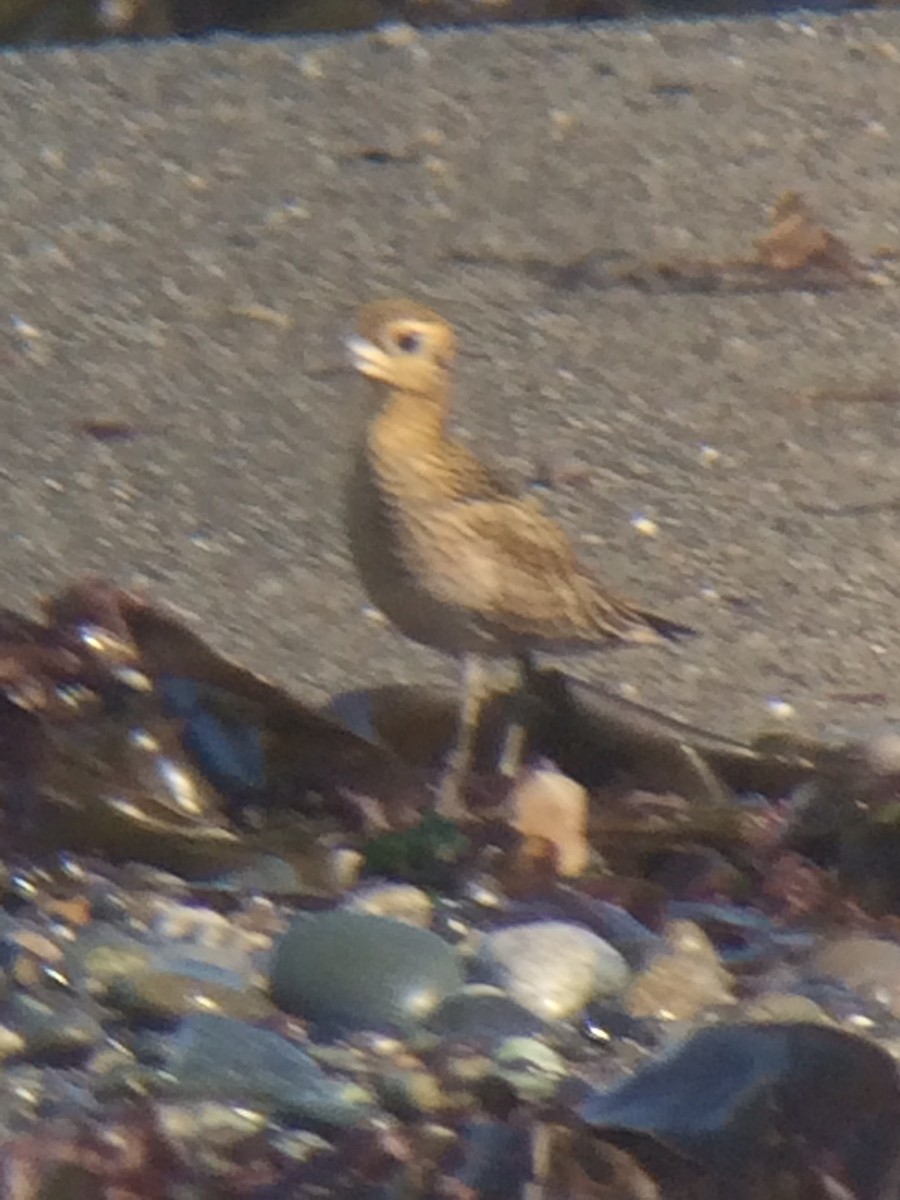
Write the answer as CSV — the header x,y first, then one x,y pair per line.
x,y
187,230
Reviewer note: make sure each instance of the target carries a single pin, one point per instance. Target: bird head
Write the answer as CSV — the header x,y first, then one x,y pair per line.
x,y
404,345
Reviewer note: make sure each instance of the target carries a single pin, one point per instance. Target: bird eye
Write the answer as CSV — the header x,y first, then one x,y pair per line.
x,y
409,343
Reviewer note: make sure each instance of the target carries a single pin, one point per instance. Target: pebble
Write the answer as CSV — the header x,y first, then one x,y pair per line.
x,y
552,968
152,995
12,1042
102,953
484,1016
531,1068
409,1093
785,1007
38,945
18,967
51,1031
114,1070
461,1069
23,1091
846,1006
202,933
547,804
352,970
400,901
870,966
214,1057
682,980
607,1024
208,1134
267,873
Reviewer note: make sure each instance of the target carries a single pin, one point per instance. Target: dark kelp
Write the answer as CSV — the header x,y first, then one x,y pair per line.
x,y
122,733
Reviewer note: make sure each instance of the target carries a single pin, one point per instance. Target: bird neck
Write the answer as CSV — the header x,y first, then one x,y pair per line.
x,y
406,445
411,420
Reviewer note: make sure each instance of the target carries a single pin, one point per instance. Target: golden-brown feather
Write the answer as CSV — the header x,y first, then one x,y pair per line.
x,y
445,550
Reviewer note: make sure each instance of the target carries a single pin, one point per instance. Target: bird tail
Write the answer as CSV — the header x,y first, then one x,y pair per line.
x,y
672,631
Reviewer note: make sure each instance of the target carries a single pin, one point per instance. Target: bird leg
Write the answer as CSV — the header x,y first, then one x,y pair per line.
x,y
475,691
516,736
451,802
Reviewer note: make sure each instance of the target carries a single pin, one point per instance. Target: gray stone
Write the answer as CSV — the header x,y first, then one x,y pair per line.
x,y
352,970
484,1015
55,1030
400,901
553,968
103,953
166,995
531,1068
868,965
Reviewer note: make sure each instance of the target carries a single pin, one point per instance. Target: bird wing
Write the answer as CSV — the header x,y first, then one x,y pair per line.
x,y
505,561
478,479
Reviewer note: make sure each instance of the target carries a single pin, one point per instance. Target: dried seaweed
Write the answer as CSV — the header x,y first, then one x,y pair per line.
x,y
797,253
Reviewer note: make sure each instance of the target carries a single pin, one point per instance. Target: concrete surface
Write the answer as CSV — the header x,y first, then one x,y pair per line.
x,y
187,229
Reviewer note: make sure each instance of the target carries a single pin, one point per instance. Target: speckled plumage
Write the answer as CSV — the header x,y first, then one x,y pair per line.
x,y
444,548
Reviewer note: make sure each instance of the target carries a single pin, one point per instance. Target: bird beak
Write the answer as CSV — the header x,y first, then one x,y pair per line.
x,y
366,357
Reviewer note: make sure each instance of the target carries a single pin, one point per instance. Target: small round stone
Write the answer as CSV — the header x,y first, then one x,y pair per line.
x,y
781,1008
352,970
60,1029
267,873
553,968
869,966
682,980
101,954
167,995
531,1069
484,1015
12,1042
210,1132
400,901
547,804
411,1092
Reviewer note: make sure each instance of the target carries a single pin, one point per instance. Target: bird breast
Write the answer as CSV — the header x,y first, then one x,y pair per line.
x,y
384,536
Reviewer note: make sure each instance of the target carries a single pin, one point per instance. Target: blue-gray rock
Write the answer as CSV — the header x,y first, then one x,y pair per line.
x,y
485,1016
218,1058
351,970
749,1104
